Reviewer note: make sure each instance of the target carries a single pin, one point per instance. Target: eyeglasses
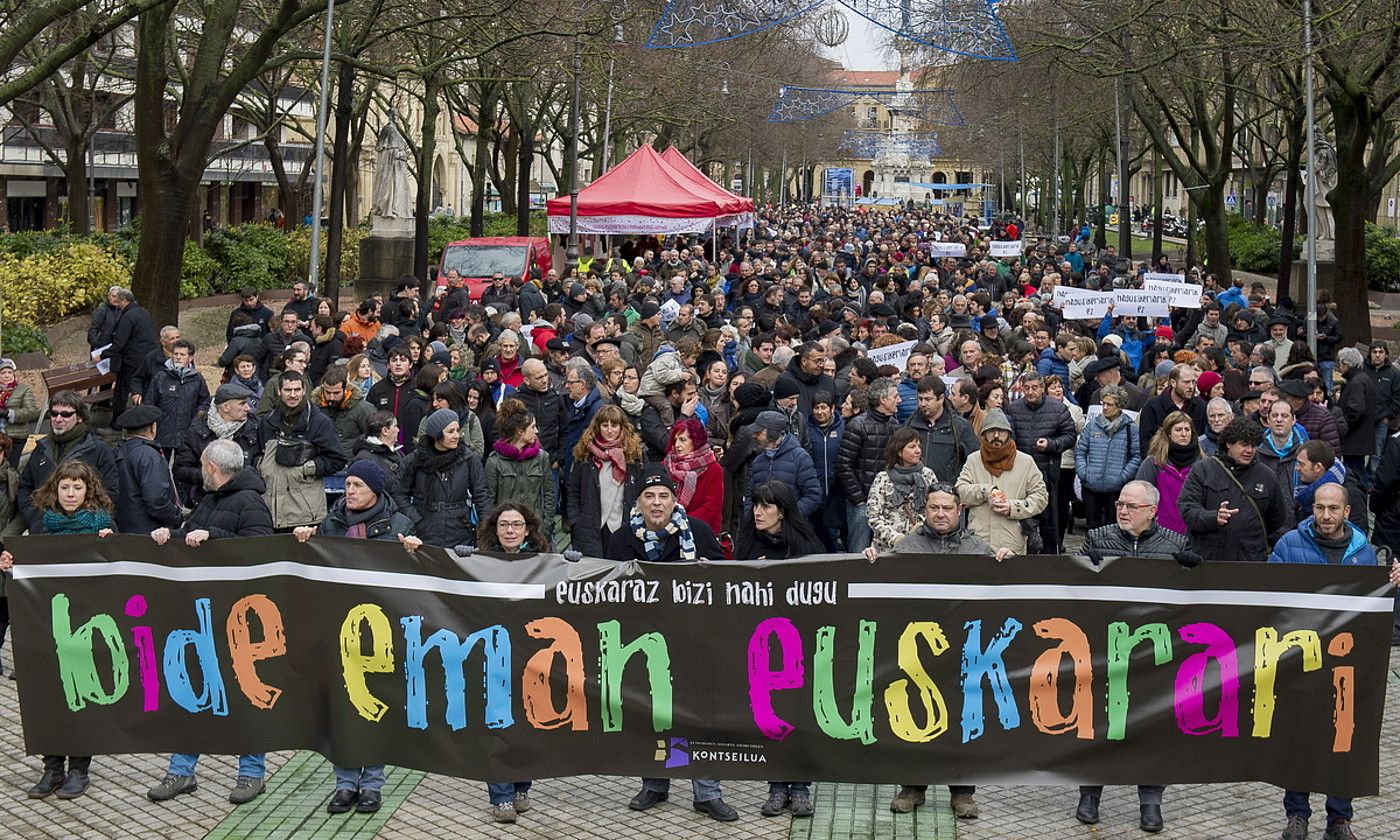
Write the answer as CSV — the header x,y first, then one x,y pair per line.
x,y
57,413
573,381
1130,506
511,525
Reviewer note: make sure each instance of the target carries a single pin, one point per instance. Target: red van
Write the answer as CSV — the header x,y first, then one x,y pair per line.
x,y
478,258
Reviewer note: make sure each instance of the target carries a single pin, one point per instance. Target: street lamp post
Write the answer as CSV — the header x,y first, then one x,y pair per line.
x,y
618,40
571,253
1312,182
317,189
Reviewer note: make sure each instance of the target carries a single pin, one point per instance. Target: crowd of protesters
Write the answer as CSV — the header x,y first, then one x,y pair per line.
x,y
682,400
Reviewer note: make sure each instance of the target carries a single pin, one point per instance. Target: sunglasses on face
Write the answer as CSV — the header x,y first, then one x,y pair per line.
x,y
57,413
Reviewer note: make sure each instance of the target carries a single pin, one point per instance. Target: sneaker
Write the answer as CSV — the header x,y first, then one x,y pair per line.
x,y
343,801
521,802
369,802
1297,828
245,790
503,812
717,809
1339,830
964,806
775,804
75,785
172,786
801,805
907,800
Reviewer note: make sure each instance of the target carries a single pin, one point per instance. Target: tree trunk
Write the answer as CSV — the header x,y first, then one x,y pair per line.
x,y
522,176
1101,232
426,166
167,202
1290,216
1349,199
340,175
1211,205
75,173
1157,198
486,119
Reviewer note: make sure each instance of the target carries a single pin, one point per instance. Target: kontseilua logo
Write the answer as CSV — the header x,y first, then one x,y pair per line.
x,y
675,752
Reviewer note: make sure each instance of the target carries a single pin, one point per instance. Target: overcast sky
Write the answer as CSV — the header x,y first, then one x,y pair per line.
x,y
861,50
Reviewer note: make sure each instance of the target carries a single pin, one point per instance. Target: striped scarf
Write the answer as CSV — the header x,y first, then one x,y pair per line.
x,y
651,540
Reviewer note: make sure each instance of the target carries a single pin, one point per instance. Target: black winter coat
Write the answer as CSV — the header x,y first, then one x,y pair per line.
x,y
133,338
235,510
1049,420
862,454
385,395
147,499
946,444
584,505
1156,543
1155,411
323,353
444,493
179,399
186,468
1244,537
312,427
1358,404
102,325
551,417
389,460
1387,379
624,546
807,384
262,319
42,462
247,340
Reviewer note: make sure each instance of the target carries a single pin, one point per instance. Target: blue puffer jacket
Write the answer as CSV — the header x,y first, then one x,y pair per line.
x,y
1300,546
791,465
1106,455
908,400
1050,364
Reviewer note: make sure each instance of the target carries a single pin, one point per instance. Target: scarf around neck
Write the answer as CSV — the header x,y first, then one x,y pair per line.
x,y
511,452
910,486
1182,455
999,459
609,452
222,429
679,526
685,471
5,393
81,521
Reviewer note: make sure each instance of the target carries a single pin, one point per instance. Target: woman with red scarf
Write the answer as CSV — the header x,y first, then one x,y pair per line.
x,y
518,468
698,475
605,481
18,409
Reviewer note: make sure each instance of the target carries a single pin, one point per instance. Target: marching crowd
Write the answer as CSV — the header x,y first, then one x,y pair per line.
x,y
682,400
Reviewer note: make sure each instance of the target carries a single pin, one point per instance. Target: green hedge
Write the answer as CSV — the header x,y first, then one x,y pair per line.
x,y
1382,257
1256,248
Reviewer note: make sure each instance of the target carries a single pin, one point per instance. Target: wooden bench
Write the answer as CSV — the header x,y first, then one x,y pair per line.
x,y
84,377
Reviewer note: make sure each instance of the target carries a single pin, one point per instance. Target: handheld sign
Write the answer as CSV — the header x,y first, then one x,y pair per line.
x,y
894,354
947,249
1013,248
1141,303
1082,303
1181,295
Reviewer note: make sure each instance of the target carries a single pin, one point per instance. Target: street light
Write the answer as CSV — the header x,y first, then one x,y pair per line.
x,y
571,253
618,40
1312,183
317,190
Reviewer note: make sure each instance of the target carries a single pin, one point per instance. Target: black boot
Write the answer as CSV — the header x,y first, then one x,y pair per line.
x,y
48,783
1151,820
1088,810
75,785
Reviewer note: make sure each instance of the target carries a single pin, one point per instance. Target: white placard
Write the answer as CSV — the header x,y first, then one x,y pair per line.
x,y
947,249
1006,249
1083,303
1181,295
1161,277
894,354
1141,303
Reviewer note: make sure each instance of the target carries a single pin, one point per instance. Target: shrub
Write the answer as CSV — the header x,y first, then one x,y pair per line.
x,y
299,253
24,337
1382,257
197,271
73,276
248,255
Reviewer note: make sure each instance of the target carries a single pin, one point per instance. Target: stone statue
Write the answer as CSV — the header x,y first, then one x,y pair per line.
x,y
394,190
1326,178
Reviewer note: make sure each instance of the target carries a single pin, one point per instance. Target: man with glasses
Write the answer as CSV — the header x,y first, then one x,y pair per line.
x,y
69,439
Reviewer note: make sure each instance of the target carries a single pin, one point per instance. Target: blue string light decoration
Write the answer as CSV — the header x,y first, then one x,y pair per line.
x,y
921,145
933,105
963,27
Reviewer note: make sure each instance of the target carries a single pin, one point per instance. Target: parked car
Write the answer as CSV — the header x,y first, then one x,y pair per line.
x,y
477,259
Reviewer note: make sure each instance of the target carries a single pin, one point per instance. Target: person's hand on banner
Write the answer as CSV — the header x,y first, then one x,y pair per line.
x,y
161,536
7,561
194,539
105,533
1394,569
870,554
303,532
1003,553
410,543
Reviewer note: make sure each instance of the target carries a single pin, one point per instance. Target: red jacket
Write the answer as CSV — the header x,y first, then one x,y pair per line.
x,y
708,503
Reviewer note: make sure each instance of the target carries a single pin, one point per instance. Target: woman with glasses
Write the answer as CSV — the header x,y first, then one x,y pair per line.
x,y
70,439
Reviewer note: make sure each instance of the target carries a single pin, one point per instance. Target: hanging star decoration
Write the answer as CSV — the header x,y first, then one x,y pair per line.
x,y
921,145
962,27
934,106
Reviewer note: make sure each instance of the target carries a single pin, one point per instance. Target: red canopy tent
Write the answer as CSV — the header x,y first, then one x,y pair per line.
x,y
642,194
743,208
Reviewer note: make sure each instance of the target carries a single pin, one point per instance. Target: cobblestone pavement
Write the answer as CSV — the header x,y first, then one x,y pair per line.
x,y
595,807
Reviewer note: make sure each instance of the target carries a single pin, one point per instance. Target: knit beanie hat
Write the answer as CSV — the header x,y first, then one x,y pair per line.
x,y
368,472
751,395
438,422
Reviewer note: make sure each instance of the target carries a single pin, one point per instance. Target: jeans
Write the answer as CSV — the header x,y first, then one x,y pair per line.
x,y
703,789
1326,370
953,790
503,792
253,766
359,778
789,788
858,534
1147,794
1296,802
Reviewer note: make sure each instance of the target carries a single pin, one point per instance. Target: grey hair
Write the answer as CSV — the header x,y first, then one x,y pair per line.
x,y
1118,392
782,355
1273,374
1349,356
584,371
168,329
1220,401
126,295
508,335
880,387
225,456
1146,488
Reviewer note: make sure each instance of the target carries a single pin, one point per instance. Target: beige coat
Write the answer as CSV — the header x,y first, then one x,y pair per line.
x,y
1024,488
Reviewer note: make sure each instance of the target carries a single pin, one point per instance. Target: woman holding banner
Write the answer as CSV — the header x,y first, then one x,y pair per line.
x,y
71,501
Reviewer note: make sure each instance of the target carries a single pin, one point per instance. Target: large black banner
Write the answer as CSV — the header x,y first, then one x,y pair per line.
x,y
911,669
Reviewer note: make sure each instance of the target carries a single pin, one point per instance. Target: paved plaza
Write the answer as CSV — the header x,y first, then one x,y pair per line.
x,y
418,806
